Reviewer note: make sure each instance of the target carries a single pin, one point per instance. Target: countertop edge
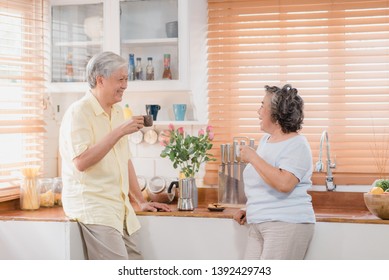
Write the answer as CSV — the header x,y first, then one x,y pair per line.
x,y
56,214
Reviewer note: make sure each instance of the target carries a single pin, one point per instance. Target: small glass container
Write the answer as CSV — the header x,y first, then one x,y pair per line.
x,y
131,67
46,187
142,181
149,69
138,69
57,185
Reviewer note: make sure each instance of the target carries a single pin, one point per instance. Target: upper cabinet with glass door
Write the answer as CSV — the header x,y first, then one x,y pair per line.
x,y
145,28
76,34
155,30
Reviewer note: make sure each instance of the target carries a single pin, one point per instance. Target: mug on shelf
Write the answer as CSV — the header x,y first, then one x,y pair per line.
x,y
152,109
179,111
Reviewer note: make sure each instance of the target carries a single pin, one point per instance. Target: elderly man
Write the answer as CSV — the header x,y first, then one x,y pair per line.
x,y
98,175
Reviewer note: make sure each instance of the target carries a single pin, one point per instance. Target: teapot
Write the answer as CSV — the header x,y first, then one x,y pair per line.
x,y
158,192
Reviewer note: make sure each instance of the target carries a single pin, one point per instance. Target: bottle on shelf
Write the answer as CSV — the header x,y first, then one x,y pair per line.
x,y
131,67
167,74
69,68
127,112
138,69
149,69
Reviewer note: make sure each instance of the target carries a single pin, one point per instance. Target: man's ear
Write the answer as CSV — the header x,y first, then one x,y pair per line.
x,y
99,80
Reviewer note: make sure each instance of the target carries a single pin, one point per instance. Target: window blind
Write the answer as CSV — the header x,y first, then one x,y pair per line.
x,y
23,26
336,53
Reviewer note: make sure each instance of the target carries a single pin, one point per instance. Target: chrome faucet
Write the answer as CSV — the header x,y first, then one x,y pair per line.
x,y
330,185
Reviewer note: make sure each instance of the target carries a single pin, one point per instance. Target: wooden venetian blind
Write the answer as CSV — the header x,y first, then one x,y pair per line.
x,y
23,29
336,53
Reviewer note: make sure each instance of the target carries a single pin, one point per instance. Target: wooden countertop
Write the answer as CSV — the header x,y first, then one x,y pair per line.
x,y
332,207
56,214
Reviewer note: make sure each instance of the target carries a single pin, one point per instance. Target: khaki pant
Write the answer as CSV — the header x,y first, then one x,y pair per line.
x,y
278,241
106,243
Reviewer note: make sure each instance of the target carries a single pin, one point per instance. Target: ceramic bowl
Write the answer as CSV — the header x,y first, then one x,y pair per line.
x,y
378,204
93,28
172,29
157,190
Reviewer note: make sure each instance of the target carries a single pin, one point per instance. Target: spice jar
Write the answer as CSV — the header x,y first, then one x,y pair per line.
x,y
142,181
57,191
46,192
29,189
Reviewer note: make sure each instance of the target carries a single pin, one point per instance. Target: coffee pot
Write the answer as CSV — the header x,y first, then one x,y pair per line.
x,y
186,191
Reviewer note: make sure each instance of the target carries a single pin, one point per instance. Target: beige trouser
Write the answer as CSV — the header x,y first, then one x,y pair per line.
x,y
278,241
106,243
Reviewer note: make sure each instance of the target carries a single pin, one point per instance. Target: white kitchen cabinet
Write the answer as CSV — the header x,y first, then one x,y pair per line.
x,y
76,35
188,238
173,238
135,27
83,28
143,33
40,240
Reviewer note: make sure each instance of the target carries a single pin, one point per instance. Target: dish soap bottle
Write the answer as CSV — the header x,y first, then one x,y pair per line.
x,y
127,112
167,74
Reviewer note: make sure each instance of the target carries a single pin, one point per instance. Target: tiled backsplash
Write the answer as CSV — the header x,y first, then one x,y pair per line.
x,y
147,160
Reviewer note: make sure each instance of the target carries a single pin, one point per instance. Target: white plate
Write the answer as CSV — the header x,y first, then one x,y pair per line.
x,y
151,136
136,137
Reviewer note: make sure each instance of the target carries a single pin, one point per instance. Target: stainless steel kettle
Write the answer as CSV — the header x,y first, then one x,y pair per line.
x,y
186,190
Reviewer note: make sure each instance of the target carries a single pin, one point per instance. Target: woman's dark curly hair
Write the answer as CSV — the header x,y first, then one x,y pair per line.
x,y
286,108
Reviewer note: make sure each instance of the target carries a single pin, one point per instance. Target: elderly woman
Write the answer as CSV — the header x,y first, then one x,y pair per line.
x,y
279,209
97,172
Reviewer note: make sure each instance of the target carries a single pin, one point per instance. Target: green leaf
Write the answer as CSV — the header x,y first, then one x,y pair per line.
x,y
188,152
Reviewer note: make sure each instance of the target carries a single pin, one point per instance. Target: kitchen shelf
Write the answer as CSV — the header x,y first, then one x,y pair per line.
x,y
79,44
151,42
181,123
147,87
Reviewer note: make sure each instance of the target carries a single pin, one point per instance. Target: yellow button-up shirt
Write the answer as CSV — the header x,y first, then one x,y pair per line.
x,y
98,195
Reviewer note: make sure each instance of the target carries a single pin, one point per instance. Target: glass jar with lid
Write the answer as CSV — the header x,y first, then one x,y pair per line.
x,y
29,189
46,188
57,185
